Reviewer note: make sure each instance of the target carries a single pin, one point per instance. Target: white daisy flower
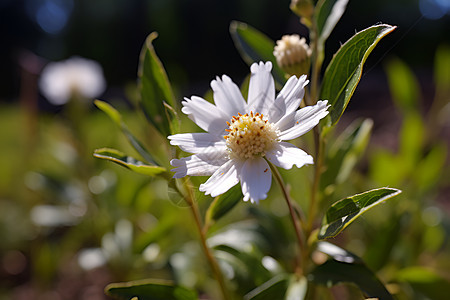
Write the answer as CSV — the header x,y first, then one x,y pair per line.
x,y
75,76
242,136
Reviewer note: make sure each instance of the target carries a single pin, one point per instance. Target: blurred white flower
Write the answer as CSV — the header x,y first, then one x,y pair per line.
x,y
242,136
60,81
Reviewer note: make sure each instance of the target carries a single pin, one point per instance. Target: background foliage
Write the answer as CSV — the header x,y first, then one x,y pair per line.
x,y
60,207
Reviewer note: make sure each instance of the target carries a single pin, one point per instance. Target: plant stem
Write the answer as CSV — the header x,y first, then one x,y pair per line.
x,y
294,216
317,60
209,256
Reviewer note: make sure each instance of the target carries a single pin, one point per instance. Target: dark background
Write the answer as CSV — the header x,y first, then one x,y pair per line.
x,y
194,43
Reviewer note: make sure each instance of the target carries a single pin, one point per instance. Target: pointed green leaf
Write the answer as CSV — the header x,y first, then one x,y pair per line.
x,y
345,211
117,118
254,46
149,289
327,14
223,204
155,88
275,288
345,69
128,162
334,272
110,111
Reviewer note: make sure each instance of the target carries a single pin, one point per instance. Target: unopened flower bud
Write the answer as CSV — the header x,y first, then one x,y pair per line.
x,y
293,55
303,8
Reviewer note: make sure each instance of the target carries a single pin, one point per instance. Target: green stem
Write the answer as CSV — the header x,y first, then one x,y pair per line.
x,y
317,60
189,198
296,221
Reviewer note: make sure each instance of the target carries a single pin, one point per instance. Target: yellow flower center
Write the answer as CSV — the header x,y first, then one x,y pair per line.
x,y
250,135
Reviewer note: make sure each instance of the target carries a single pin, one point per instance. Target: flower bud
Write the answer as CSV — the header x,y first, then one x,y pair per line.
x,y
303,8
293,55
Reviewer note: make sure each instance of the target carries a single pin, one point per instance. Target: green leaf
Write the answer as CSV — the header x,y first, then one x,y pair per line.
x,y
149,289
254,46
117,118
426,281
155,88
223,204
333,272
403,85
345,69
327,14
345,211
275,288
338,253
128,162
345,152
110,111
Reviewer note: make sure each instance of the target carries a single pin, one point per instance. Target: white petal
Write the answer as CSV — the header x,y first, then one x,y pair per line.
x,y
256,179
302,121
197,142
278,109
289,99
227,96
201,164
261,90
206,115
222,180
285,155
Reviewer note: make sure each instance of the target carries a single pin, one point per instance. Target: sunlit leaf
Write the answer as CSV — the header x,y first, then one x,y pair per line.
x,y
223,204
117,118
345,211
327,14
334,272
128,161
275,288
426,281
254,46
337,253
155,88
345,69
149,289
